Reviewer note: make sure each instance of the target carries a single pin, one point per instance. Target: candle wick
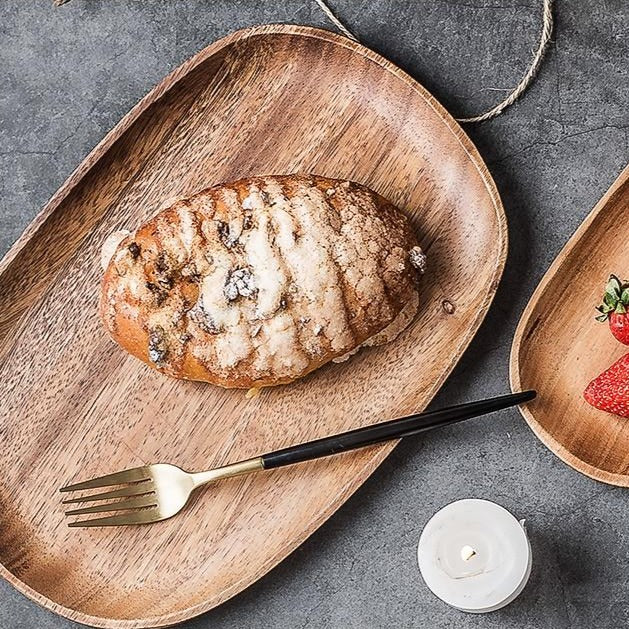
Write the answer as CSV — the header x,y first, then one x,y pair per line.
x,y
467,552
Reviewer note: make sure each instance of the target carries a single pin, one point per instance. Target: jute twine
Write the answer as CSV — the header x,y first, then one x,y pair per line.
x,y
527,79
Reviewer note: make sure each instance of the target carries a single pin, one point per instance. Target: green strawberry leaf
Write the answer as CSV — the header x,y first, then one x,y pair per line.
x,y
601,318
610,300
620,308
624,297
612,288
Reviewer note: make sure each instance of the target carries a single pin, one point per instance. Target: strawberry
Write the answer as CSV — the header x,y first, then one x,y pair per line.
x,y
614,308
610,391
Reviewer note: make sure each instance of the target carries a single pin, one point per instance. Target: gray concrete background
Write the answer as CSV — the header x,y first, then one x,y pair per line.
x,y
67,75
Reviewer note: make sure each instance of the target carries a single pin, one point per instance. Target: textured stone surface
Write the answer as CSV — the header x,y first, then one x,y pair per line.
x,y
69,74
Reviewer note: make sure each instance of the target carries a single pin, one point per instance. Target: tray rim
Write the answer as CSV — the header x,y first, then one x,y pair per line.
x,y
557,448
100,150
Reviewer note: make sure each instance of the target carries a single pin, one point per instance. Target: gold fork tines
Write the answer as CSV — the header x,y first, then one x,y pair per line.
x,y
132,490
147,516
142,495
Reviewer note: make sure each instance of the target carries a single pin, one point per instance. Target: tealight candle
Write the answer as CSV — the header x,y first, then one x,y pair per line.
x,y
474,555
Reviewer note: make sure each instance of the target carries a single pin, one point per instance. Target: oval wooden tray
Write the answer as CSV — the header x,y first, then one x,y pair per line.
x,y
273,99
559,347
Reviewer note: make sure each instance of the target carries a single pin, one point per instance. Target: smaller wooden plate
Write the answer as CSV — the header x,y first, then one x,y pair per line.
x,y
559,347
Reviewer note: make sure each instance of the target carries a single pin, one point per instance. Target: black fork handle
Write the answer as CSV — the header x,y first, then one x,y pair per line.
x,y
394,429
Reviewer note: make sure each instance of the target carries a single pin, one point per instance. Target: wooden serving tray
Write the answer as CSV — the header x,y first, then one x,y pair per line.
x,y
559,347
272,99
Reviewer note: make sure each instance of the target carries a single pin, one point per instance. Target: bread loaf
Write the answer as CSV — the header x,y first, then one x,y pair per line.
x,y
261,281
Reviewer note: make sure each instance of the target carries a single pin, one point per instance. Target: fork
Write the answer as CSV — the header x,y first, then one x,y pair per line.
x,y
156,492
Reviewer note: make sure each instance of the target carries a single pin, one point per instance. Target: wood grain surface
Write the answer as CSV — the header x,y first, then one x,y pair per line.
x,y
272,99
559,347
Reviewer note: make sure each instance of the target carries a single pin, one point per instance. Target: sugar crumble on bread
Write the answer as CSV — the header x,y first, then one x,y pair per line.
x,y
418,259
239,283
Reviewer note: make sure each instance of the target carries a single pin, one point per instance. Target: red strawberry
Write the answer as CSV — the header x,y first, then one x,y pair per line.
x,y
614,308
610,391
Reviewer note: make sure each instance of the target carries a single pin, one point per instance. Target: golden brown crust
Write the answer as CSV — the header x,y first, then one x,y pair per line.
x,y
260,281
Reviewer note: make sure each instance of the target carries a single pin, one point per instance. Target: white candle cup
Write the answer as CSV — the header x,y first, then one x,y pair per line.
x,y
474,555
